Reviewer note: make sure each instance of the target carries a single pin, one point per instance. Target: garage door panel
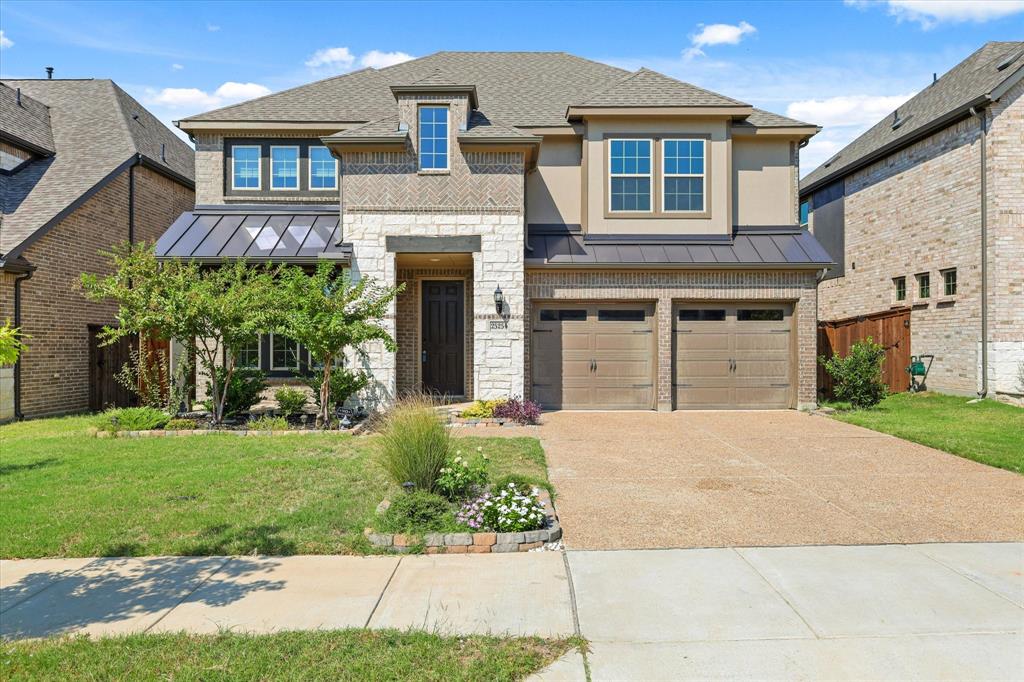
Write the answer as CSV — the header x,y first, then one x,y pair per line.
x,y
634,370
762,341
702,369
704,397
718,342
576,340
622,341
776,371
761,397
621,398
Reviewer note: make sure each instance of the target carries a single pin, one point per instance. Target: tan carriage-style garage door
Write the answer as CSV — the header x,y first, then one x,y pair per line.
x,y
593,356
735,356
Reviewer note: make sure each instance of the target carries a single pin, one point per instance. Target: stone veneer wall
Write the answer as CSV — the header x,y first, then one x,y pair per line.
x,y
667,286
408,327
918,210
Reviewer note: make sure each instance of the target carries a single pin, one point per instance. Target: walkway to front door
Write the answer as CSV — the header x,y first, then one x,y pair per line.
x,y
762,478
443,340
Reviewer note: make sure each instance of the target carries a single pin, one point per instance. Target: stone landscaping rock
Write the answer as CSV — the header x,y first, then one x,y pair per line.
x,y
503,548
509,538
484,539
383,506
379,539
535,536
457,539
433,540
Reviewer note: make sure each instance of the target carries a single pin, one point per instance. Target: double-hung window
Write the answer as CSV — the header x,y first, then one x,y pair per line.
x,y
630,177
284,167
433,138
323,169
683,182
245,167
284,353
249,355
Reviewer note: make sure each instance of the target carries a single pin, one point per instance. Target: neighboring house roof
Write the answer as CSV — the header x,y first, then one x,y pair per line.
x,y
972,82
281,234
519,89
748,247
646,88
25,123
98,130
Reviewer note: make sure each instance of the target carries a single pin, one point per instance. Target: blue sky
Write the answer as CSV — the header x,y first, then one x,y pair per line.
x,y
842,65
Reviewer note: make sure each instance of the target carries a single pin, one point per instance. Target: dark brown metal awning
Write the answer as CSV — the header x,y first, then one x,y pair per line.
x,y
289,235
747,248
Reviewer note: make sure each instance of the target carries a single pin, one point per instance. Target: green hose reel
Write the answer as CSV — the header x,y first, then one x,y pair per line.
x,y
916,369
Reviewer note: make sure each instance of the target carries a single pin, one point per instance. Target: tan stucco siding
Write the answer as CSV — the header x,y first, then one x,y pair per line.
x,y
762,181
553,190
717,183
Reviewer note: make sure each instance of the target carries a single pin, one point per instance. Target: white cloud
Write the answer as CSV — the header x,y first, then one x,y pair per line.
x,y
335,57
199,100
375,59
930,13
846,110
717,34
177,67
212,28
5,42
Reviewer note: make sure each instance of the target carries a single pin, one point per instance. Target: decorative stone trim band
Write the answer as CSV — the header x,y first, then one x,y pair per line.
x,y
473,543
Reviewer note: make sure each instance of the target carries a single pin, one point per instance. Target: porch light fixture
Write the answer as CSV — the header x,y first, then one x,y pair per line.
x,y
499,300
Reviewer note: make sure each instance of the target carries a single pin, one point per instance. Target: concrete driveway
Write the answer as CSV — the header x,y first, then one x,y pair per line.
x,y
632,480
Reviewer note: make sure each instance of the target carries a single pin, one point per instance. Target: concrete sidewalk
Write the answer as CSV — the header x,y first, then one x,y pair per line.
x,y
938,611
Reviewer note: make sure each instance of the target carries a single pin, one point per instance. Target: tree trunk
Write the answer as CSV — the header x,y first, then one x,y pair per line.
x,y
224,390
325,394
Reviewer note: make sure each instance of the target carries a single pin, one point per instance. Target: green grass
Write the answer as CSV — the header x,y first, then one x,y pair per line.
x,y
318,655
989,432
67,494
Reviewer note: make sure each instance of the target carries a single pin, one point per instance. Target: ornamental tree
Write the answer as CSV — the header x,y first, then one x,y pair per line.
x,y
11,344
327,312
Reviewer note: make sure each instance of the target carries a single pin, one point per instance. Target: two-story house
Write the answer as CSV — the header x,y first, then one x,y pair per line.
x,y
83,167
924,216
568,231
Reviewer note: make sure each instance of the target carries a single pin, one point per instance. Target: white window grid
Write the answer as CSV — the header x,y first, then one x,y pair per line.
x,y
292,347
246,166
294,164
701,175
321,165
649,174
447,132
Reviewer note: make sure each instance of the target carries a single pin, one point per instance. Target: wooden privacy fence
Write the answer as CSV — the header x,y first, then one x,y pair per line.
x,y
890,328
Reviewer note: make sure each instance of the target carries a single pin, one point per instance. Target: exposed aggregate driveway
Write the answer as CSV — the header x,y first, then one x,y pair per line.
x,y
643,480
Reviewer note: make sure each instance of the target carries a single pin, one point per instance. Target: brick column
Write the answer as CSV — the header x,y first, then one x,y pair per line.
x,y
663,311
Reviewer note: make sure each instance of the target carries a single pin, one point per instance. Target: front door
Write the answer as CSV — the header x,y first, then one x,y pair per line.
x,y
443,343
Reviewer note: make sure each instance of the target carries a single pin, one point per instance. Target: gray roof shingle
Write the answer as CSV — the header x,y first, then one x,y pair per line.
x,y
646,88
27,122
966,83
96,128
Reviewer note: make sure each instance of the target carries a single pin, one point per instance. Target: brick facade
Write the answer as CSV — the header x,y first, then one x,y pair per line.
x,y
918,211
665,287
55,312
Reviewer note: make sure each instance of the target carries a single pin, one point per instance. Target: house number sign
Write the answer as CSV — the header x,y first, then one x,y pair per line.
x,y
499,324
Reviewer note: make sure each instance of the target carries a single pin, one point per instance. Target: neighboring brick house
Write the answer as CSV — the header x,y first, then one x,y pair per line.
x,y
902,210
569,231
83,167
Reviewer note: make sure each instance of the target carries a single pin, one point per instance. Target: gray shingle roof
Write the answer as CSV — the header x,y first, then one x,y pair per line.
x,y
966,83
646,88
27,122
97,127
766,119
384,127
481,127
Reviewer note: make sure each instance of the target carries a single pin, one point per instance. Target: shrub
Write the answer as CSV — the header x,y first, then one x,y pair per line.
x,y
267,423
518,411
345,383
481,409
243,392
180,425
290,401
461,477
858,376
418,511
415,444
132,419
523,482
506,510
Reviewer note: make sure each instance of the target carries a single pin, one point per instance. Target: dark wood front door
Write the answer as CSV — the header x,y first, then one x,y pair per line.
x,y
443,343
104,364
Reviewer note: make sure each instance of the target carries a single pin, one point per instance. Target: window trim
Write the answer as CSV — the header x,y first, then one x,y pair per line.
x,y
259,168
298,165
919,279
945,283
657,165
896,282
703,176
309,153
279,368
259,356
650,175
447,138
804,224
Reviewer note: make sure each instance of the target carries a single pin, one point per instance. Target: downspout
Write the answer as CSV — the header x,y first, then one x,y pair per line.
x,y
984,250
131,198
17,325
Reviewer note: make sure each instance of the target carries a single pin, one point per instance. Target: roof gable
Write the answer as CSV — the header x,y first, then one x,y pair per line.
x,y
25,121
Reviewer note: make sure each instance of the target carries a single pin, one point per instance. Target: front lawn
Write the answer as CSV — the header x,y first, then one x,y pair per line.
x,y
323,655
67,494
989,432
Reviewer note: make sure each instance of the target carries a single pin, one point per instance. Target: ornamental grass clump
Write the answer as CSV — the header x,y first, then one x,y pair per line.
x,y
132,419
415,444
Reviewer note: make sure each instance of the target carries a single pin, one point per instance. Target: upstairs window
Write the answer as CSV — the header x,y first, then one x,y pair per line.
x,y
630,177
284,167
805,214
433,134
949,282
323,169
245,167
924,285
900,283
683,175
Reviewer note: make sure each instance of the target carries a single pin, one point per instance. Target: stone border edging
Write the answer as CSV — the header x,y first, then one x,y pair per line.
x,y
473,543
161,433
490,421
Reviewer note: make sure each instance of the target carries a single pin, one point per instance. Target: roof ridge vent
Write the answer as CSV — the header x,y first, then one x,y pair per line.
x,y
897,121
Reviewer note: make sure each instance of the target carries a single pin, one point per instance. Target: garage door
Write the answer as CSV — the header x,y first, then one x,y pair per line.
x,y
590,357
735,356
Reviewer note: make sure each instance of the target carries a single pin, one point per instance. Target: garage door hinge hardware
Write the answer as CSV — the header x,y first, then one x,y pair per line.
x,y
780,385
535,331
685,385
780,331
684,331
643,331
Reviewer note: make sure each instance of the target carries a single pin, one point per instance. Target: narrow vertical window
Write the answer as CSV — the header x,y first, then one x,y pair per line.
x,y
805,214
323,169
683,175
433,138
949,282
245,167
284,167
629,163
924,285
901,288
